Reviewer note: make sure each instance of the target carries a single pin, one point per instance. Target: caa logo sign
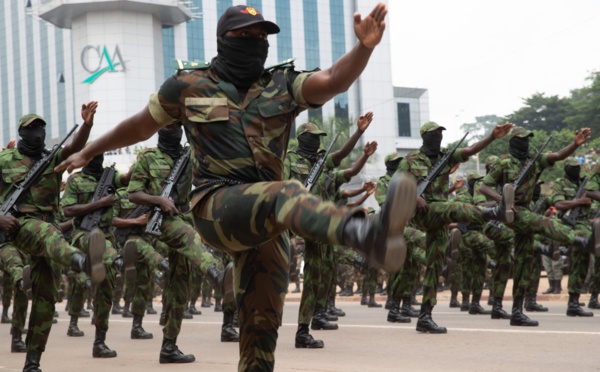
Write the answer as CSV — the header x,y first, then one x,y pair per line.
x,y
94,57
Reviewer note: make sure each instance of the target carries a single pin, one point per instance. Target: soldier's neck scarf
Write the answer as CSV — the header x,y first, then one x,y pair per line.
x,y
392,166
32,141
94,168
471,186
240,60
308,146
573,173
169,142
519,147
432,143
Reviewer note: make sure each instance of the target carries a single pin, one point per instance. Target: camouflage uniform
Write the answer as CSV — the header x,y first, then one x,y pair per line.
x,y
39,237
12,262
594,185
241,201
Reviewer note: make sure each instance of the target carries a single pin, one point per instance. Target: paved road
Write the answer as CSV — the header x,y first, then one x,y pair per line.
x,y
364,342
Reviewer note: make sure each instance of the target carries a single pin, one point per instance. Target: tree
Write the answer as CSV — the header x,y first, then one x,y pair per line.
x,y
585,106
542,113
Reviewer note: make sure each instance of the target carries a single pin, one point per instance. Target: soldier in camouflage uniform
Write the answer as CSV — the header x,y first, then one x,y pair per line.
x,y
31,225
185,246
434,212
563,198
18,274
238,117
592,190
78,202
526,223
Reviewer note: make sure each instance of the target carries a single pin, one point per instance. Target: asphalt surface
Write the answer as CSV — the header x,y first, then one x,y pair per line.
x,y
365,341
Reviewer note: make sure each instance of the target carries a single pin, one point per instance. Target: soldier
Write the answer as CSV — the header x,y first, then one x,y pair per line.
x,y
238,117
592,190
434,212
78,202
18,275
31,224
526,223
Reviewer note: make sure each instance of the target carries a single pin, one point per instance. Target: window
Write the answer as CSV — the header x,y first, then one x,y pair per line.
x,y
403,119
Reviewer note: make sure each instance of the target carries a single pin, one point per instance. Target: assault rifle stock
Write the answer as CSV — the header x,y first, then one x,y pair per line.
x,y
105,186
437,168
570,217
155,222
317,168
9,204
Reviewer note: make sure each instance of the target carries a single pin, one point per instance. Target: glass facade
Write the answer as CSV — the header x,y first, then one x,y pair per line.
x,y
311,45
222,6
284,38
6,122
61,86
338,48
168,50
30,57
403,119
16,73
195,35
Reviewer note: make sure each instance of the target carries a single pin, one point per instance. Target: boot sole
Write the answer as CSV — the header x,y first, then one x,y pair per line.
x,y
508,198
96,248
26,277
401,202
129,259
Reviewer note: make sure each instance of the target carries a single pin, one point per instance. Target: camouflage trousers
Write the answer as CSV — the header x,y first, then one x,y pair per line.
x,y
434,223
552,268
140,291
503,238
595,280
12,262
580,260
318,274
402,284
474,247
103,291
347,272
525,225
250,222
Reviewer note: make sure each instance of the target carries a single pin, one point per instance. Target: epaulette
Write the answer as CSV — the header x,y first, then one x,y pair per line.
x,y
180,64
286,63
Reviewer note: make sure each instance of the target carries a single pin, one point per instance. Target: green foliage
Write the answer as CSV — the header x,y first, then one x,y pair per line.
x,y
542,113
345,128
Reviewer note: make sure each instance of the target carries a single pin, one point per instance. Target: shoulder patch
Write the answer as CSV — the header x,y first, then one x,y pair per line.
x,y
285,63
180,64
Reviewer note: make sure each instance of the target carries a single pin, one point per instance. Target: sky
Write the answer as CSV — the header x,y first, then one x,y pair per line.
x,y
484,57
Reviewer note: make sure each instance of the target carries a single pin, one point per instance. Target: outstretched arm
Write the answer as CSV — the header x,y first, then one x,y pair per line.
x,y
321,86
579,139
370,149
498,132
363,123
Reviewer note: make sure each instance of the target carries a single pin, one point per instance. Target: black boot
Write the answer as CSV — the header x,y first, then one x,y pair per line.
x,y
517,317
187,314
150,308
228,333
297,289
388,303
557,286
163,318
497,310
170,353
532,305
32,361
125,312
304,340
116,309
100,350
5,319
363,299
129,259
593,304
476,309
574,308
206,302
222,280
16,344
372,302
379,237
137,331
346,292
464,305
218,305
425,323
548,250
91,263
454,299
395,315
503,211
319,321
407,309
591,244
332,309
192,309
73,330
550,289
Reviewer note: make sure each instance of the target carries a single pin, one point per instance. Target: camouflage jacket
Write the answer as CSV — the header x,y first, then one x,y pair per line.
x,y
297,167
381,190
564,190
507,170
80,189
123,207
43,196
329,184
238,139
151,171
419,165
593,184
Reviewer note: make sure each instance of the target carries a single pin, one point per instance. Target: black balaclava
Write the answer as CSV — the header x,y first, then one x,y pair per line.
x,y
240,60
32,141
537,191
519,147
471,186
308,145
94,168
392,166
573,173
169,141
432,142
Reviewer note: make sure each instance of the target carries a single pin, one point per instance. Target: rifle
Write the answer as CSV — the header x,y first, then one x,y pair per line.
x,y
570,217
122,233
9,205
155,222
437,168
523,173
317,168
105,186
